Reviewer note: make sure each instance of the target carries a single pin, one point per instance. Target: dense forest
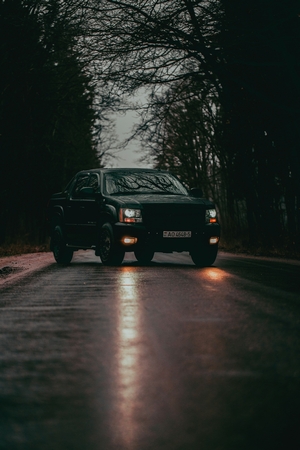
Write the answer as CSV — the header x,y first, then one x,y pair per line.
x,y
46,114
223,83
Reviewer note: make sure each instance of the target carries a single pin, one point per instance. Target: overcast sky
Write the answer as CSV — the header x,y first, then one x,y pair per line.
x,y
128,157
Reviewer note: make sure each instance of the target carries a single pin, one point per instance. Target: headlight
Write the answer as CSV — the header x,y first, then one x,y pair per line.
x,y
210,216
130,215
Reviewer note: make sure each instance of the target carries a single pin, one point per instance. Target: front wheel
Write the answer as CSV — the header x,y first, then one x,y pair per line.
x,y
205,256
144,255
111,253
62,254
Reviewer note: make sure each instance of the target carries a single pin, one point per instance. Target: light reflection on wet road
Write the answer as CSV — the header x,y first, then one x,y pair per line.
x,y
165,356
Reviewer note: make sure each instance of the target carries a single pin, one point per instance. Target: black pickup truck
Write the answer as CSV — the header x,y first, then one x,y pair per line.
x,y
141,210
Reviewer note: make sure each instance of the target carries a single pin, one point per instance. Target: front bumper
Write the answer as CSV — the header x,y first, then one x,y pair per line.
x,y
154,237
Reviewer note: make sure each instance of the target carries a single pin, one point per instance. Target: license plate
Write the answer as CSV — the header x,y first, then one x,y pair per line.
x,y
177,234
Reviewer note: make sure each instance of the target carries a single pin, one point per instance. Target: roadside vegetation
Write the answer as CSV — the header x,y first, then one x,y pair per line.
x,y
49,119
222,112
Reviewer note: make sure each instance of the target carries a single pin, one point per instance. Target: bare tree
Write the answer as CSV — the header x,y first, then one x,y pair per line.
x,y
244,51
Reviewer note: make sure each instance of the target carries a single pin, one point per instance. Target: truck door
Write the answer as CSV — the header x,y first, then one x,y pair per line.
x,y
74,213
87,226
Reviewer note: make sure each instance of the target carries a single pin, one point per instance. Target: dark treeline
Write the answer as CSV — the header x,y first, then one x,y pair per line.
x,y
223,78
46,114
260,99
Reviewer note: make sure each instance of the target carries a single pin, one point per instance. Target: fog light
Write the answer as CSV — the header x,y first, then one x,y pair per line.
x,y
127,240
213,240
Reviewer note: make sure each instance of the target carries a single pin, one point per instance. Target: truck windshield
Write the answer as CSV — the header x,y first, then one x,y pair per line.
x,y
118,183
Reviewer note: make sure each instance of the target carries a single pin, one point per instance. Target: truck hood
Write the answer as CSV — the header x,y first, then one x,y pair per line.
x,y
159,199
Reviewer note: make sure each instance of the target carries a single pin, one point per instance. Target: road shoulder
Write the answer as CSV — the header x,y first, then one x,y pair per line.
x,y
12,268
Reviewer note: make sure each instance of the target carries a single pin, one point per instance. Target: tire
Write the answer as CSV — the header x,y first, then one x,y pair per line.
x,y
144,255
62,254
204,257
110,252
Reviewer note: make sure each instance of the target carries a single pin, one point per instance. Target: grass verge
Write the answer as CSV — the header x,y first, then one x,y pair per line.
x,y
19,248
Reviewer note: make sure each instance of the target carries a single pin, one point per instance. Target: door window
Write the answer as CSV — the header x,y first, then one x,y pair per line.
x,y
94,181
82,181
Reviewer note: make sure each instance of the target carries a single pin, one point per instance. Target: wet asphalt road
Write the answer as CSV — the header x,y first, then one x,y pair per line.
x,y
167,356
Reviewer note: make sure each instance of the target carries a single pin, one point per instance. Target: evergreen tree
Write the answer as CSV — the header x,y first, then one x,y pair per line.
x,y
46,115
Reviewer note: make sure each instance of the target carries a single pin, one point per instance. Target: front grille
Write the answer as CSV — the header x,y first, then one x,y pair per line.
x,y
173,217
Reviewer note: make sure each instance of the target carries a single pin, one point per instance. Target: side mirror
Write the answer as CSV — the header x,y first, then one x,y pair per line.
x,y
196,192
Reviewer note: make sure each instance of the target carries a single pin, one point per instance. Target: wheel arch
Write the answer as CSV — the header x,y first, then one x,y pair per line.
x,y
57,216
110,215
106,218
